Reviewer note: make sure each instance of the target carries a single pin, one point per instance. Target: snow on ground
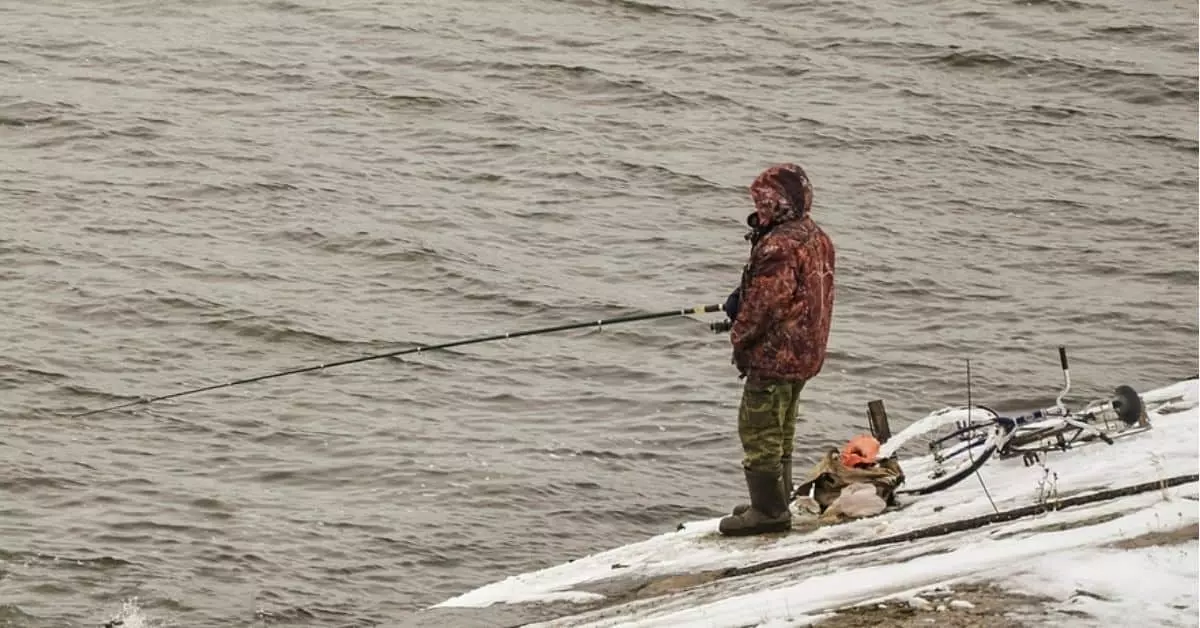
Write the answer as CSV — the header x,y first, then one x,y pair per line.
x,y
1155,585
1033,562
1054,555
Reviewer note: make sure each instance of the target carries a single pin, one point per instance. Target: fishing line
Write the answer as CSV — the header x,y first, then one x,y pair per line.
x,y
971,455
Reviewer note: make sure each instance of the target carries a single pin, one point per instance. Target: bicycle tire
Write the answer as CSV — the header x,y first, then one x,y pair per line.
x,y
933,421
944,482
969,450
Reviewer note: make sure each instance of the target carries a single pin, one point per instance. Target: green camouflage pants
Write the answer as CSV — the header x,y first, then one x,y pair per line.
x,y
767,422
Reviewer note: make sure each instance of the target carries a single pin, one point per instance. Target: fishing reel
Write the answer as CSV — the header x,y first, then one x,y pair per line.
x,y
721,327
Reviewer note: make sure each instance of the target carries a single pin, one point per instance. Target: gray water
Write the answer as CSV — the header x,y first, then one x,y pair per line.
x,y
194,192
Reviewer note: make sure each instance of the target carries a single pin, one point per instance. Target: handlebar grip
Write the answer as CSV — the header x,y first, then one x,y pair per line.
x,y
1062,356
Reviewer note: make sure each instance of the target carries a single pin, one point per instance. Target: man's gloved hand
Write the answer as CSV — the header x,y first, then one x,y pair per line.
x,y
733,303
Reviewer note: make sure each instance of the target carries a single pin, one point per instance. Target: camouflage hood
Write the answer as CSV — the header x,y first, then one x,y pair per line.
x,y
781,193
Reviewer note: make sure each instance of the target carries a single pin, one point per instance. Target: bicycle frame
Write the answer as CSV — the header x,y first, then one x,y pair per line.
x,y
981,432
961,415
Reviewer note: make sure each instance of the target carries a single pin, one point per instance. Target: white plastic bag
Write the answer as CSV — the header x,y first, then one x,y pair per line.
x,y
856,500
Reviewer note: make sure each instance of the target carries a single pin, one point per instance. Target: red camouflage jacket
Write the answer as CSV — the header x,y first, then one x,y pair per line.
x,y
786,304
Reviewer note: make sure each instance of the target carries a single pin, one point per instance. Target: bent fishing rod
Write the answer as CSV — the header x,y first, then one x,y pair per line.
x,y
699,309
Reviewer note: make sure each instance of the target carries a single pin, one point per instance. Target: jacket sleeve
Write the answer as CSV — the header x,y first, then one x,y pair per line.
x,y
767,292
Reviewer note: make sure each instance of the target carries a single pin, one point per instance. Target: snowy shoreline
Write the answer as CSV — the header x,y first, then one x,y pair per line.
x,y
1041,561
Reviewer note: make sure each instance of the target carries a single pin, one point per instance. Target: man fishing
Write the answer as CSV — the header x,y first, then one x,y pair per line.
x,y
781,314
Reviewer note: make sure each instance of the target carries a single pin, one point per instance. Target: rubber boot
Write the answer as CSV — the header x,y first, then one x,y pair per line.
x,y
768,510
786,462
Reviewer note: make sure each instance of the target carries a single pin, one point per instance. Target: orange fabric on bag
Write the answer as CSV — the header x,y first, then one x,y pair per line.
x,y
861,450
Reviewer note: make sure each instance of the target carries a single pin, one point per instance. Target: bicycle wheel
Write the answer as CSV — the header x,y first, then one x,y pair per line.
x,y
945,447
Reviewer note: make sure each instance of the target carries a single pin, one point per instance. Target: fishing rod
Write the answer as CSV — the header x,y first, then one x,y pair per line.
x,y
699,309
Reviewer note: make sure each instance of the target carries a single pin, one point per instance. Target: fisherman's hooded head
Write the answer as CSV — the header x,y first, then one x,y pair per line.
x,y
781,193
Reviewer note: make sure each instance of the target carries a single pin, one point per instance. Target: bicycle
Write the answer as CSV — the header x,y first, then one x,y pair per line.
x,y
979,432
